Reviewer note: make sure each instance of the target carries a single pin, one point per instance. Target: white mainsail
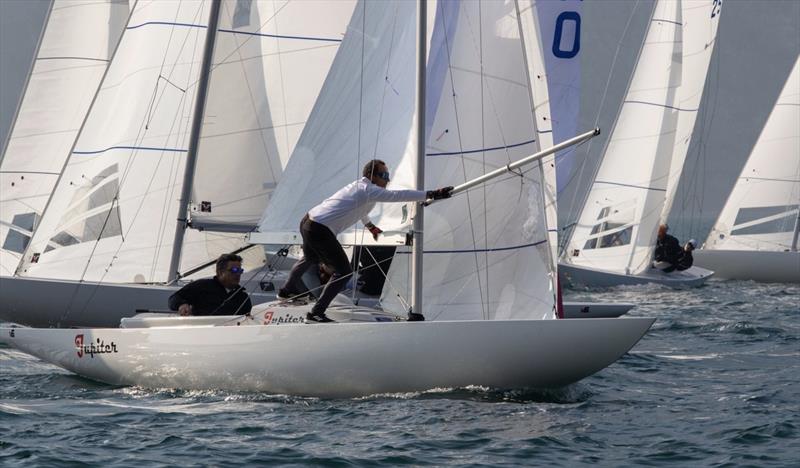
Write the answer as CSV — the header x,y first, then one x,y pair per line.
x,y
365,111
617,228
112,215
263,63
486,251
761,213
269,64
73,54
700,23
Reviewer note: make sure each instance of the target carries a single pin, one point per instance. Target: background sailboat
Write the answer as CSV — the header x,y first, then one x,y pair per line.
x,y
633,189
756,234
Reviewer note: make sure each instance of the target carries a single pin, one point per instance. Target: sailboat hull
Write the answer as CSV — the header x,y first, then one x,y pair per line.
x,y
581,276
756,265
574,310
339,360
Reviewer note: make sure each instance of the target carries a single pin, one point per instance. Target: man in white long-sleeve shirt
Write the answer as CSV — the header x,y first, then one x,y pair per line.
x,y
341,210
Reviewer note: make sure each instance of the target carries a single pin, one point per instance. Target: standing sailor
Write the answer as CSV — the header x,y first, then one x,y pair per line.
x,y
341,210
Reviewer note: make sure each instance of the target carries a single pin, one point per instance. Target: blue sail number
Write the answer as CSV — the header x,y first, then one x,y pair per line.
x,y
576,42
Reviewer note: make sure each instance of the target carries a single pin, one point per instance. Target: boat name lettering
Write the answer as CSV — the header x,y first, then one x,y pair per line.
x,y
269,318
99,347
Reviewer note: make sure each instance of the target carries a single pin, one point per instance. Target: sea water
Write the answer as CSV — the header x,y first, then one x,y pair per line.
x,y
715,382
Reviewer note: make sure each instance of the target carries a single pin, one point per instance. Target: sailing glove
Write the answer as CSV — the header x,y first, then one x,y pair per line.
x,y
375,230
438,194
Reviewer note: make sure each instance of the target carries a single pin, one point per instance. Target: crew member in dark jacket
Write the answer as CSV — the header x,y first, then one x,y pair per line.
x,y
668,249
685,260
220,295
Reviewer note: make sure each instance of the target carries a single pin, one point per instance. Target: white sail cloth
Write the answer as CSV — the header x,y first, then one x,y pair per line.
x,y
365,111
73,54
761,212
270,61
486,251
112,215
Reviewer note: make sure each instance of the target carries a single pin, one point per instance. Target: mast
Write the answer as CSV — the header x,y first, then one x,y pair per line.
x,y
796,232
194,140
416,247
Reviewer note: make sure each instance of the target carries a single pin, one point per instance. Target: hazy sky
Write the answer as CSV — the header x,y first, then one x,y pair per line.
x,y
757,44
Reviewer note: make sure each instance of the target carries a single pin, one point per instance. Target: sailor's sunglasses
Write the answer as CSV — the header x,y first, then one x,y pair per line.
x,y
383,175
236,270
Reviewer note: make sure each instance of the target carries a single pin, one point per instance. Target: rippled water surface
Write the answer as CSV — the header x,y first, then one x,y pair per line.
x,y
716,381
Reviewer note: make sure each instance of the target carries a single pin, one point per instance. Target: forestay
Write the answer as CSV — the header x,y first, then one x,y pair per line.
x,y
73,54
112,215
486,251
761,212
270,61
365,110
617,227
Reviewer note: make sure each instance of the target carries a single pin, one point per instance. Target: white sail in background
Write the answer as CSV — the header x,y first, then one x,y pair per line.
x,y
617,227
73,54
560,25
270,61
486,251
700,23
761,212
365,111
112,215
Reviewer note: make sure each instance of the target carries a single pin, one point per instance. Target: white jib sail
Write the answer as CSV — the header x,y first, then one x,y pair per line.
x,y
365,111
486,251
270,61
617,227
700,24
762,210
73,54
112,215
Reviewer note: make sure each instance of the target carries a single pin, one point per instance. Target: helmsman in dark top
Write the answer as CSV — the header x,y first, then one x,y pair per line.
x,y
220,295
668,249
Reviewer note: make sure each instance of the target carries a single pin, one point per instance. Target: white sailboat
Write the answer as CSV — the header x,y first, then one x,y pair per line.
x,y
756,234
106,258
491,336
614,240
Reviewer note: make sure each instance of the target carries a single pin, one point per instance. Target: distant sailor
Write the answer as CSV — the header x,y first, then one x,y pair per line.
x,y
341,210
668,249
220,295
685,259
